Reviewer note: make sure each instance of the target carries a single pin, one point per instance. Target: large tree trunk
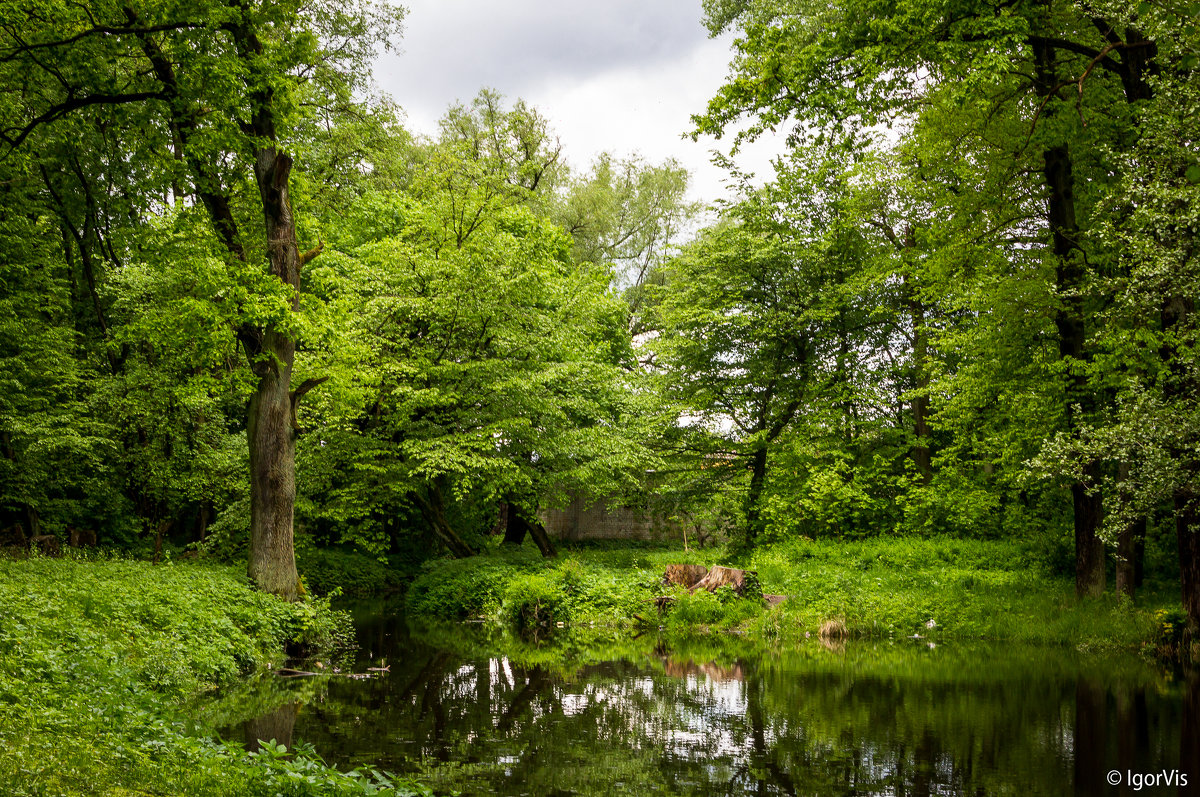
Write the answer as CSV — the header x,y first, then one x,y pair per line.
x,y
270,431
1129,541
1072,332
1181,387
1127,547
1072,335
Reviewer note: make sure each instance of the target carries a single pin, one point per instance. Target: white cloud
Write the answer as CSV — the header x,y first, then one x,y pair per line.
x,y
623,76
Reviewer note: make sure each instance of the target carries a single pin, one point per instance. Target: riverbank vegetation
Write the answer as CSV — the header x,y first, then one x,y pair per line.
x,y
880,588
99,660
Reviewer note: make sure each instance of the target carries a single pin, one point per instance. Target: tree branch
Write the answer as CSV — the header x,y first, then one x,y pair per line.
x,y
72,104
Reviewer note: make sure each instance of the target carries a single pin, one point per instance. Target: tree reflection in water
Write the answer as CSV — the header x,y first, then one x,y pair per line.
x,y
682,718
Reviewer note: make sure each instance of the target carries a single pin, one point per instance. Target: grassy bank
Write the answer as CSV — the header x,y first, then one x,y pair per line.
x,y
964,589
98,659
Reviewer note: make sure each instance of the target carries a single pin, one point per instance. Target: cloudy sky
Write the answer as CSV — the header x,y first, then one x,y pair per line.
x,y
616,75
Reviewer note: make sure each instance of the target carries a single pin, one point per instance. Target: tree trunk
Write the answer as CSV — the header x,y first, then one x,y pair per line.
x,y
270,431
540,538
1127,546
758,478
160,531
271,416
433,510
1069,277
501,524
1128,575
1072,332
1187,529
1180,387
519,525
202,521
514,529
921,454
1089,548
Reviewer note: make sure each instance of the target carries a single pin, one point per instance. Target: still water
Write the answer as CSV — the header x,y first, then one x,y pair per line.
x,y
469,711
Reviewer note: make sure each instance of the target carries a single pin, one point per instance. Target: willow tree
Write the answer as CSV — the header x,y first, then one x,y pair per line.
x,y
221,86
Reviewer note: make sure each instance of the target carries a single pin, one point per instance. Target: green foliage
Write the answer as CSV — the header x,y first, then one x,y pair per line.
x,y
534,600
300,772
703,611
968,589
461,588
354,574
98,658
882,587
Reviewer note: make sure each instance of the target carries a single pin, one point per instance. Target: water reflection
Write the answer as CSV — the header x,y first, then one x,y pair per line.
x,y
715,717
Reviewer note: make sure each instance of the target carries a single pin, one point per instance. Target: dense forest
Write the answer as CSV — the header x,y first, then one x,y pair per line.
x,y
242,309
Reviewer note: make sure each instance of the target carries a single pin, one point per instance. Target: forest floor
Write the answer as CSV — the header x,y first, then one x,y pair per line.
x,y
879,588
99,661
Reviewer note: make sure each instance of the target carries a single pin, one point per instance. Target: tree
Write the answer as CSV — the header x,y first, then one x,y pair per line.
x,y
1048,83
751,322
492,369
218,89
625,215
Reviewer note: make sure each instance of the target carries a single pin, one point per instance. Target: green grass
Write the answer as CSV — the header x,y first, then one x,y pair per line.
x,y
99,658
887,587
967,589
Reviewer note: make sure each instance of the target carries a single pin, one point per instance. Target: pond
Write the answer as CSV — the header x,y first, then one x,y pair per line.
x,y
469,710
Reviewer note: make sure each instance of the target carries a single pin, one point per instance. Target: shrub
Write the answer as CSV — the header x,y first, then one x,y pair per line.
x,y
534,600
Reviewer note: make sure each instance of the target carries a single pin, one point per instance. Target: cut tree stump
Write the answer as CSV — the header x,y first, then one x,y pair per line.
x,y
686,576
725,576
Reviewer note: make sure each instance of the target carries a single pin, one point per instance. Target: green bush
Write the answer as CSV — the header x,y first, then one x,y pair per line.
x,y
456,589
534,600
720,610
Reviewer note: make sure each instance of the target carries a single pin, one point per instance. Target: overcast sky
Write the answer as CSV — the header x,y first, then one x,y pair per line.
x,y
616,75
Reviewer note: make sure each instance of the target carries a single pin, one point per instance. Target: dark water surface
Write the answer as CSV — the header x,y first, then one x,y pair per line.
x,y
719,716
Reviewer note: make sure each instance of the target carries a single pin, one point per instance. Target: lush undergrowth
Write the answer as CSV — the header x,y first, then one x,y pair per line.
x,y
349,573
99,658
894,587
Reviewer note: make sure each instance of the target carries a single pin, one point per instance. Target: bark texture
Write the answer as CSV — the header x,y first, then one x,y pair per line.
x,y
270,432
